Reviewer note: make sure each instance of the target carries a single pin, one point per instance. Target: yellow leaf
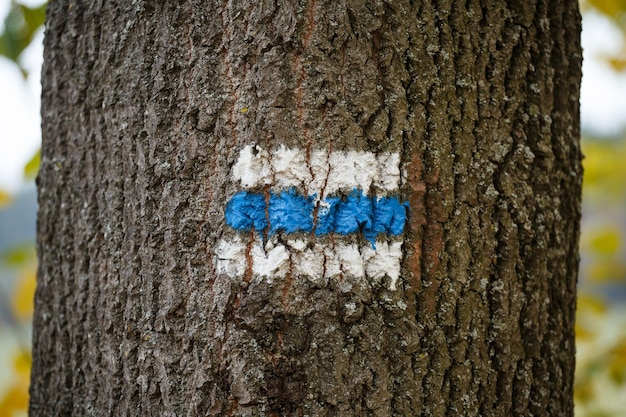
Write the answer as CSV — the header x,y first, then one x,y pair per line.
x,y
22,363
607,271
15,400
605,241
611,8
32,166
583,391
16,397
617,367
18,255
604,166
618,63
23,300
590,304
5,198
583,333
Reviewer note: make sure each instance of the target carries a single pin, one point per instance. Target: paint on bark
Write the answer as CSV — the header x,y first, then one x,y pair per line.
x,y
332,207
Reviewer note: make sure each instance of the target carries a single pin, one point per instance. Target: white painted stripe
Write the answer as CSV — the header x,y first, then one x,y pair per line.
x,y
317,263
322,175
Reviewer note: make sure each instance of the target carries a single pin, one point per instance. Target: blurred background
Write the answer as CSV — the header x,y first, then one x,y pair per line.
x,y
601,322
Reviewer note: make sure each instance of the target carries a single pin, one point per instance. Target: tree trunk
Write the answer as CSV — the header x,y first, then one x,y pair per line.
x,y
313,208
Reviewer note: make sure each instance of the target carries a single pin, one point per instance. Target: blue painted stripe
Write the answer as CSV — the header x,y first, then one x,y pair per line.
x,y
291,212
246,211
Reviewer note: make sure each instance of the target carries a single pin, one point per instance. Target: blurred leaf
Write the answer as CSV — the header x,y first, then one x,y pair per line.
x,y
618,63
34,17
32,167
604,167
617,367
587,307
5,198
16,397
615,11
605,241
583,332
18,255
20,26
610,270
611,8
22,363
583,391
590,304
23,299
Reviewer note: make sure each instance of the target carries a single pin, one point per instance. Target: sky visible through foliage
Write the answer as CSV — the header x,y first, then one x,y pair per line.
x,y
601,321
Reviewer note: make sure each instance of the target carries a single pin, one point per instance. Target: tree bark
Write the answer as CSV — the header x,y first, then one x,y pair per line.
x,y
149,108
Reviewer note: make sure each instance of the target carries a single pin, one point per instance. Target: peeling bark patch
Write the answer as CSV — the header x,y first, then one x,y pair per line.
x,y
314,225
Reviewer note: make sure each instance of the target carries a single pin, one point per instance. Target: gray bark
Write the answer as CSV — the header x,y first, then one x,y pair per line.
x,y
146,106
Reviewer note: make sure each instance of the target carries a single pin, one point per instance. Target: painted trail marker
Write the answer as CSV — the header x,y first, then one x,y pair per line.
x,y
304,199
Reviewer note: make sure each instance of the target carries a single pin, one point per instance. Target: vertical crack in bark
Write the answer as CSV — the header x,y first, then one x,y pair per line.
x,y
229,74
302,75
247,277
325,184
285,291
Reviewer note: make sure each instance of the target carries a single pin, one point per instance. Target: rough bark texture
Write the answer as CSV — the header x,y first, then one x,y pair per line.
x,y
146,105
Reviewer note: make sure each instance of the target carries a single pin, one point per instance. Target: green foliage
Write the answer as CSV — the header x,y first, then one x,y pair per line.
x,y
20,26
